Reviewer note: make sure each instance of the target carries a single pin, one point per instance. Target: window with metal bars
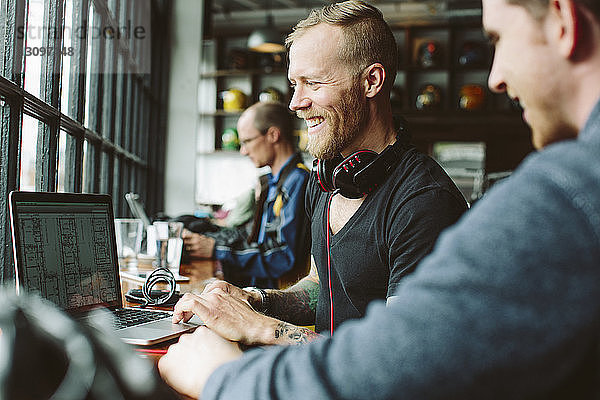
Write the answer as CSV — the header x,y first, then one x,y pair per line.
x,y
83,93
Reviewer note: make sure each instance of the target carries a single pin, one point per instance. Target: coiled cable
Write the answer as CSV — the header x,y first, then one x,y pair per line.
x,y
159,275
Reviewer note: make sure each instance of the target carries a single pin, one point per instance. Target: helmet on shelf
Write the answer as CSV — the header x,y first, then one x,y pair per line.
x,y
471,97
230,140
270,94
234,100
430,97
472,54
238,59
429,54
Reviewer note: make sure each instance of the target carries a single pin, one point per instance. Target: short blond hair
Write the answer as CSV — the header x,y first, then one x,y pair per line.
x,y
368,39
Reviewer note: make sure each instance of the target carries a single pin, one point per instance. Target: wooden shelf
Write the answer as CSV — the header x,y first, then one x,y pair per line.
x,y
221,113
241,72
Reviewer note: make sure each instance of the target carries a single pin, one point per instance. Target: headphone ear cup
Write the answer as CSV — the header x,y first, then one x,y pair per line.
x,y
343,176
324,170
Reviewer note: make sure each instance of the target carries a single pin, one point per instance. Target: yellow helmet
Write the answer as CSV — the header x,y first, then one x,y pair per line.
x,y
270,94
234,100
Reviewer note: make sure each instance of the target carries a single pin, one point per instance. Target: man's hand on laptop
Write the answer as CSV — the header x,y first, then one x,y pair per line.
x,y
227,314
251,297
189,362
197,245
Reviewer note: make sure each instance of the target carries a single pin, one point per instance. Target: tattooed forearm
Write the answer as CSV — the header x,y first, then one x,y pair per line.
x,y
289,334
297,304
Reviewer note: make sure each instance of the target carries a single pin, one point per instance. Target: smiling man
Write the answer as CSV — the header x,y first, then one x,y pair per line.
x,y
542,99
376,204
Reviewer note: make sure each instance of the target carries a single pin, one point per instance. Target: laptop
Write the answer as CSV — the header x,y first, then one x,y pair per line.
x,y
137,209
65,250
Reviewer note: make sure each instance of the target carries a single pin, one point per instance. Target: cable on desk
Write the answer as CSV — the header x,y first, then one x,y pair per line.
x,y
159,275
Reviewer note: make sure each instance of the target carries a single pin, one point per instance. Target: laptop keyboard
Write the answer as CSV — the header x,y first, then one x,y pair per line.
x,y
127,317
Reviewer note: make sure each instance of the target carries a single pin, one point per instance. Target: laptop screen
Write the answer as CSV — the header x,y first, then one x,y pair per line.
x,y
65,248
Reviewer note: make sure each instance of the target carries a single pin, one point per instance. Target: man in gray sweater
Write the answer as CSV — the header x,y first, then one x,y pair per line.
x,y
507,306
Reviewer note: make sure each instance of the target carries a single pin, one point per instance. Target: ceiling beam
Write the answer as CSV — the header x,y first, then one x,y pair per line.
x,y
394,13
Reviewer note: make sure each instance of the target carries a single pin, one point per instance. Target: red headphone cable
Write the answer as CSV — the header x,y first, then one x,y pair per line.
x,y
328,230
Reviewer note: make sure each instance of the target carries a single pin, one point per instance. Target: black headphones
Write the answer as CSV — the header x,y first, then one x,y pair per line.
x,y
361,172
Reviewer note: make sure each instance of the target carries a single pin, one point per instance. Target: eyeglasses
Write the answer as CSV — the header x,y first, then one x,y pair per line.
x,y
246,141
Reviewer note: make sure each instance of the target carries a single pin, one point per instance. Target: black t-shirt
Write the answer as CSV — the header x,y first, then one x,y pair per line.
x,y
393,229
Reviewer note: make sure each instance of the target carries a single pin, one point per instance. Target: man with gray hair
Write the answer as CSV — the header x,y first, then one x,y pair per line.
x,y
273,247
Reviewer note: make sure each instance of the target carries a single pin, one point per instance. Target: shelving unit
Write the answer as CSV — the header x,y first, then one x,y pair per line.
x,y
228,65
448,74
497,125
250,82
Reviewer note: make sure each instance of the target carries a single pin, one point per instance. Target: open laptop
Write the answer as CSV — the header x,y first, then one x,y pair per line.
x,y
65,250
137,209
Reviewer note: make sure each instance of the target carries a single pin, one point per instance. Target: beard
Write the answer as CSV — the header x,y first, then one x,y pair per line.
x,y
344,125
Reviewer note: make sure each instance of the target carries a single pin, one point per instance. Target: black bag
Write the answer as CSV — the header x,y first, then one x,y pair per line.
x,y
45,354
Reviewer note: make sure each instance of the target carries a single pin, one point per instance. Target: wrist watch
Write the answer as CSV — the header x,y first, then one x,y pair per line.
x,y
264,298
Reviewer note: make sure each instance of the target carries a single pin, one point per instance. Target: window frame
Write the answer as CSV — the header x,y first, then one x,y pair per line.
x,y
127,111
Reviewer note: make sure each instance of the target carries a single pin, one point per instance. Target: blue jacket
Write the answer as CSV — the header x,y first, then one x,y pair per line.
x,y
507,306
273,254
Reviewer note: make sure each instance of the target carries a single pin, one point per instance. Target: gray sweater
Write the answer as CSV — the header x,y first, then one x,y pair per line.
x,y
507,306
